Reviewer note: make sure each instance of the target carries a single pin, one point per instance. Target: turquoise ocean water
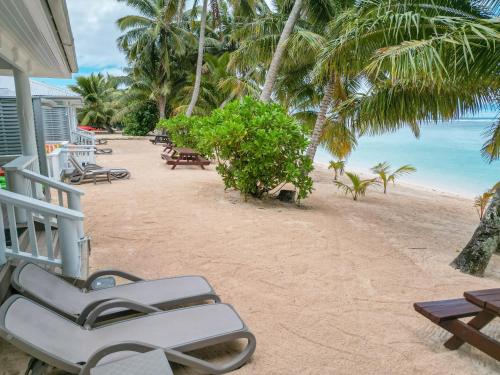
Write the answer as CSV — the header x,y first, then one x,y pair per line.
x,y
447,156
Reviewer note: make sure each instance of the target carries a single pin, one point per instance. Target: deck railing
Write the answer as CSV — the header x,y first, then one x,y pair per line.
x,y
23,180
83,137
38,245
38,206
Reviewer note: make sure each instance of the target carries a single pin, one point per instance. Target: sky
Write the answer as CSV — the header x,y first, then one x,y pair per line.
x,y
93,23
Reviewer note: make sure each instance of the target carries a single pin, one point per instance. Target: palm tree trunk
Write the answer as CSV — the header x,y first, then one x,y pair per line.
x,y
199,64
321,119
180,10
272,73
475,257
161,103
229,99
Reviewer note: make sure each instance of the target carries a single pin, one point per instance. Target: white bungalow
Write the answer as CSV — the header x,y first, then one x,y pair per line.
x,y
41,218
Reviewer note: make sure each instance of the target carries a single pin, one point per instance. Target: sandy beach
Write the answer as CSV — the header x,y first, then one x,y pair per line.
x,y
327,288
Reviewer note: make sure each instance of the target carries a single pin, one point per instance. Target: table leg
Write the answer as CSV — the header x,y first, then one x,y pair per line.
x,y
473,337
478,322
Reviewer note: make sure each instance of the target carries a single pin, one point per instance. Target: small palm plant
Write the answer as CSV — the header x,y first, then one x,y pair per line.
x,y
383,170
338,166
481,203
359,186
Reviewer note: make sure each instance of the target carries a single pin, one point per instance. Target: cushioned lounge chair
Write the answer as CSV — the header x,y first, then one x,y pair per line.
x,y
89,172
73,303
81,175
61,343
103,151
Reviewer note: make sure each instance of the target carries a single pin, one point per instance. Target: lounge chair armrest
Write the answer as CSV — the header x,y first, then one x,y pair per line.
x,y
110,272
90,315
176,356
100,353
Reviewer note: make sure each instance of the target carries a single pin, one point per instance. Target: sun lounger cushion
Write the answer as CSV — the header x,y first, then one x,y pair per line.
x,y
69,300
150,363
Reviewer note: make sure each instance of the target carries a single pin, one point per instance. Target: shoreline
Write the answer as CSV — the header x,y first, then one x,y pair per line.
x,y
410,185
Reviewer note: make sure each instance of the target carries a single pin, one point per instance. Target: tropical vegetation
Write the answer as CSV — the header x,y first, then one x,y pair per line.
x,y
338,167
258,147
357,187
344,68
385,175
99,96
481,203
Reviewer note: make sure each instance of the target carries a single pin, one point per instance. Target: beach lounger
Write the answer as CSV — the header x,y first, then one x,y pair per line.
x,y
93,172
61,343
66,299
103,151
81,175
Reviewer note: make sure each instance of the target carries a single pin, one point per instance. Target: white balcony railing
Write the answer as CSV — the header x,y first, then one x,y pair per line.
x,y
83,137
41,211
45,224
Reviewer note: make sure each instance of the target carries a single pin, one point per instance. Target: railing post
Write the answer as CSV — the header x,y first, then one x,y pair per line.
x,y
17,184
74,203
70,247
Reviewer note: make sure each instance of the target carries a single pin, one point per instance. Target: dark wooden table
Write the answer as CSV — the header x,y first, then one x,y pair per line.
x,y
489,303
160,139
185,156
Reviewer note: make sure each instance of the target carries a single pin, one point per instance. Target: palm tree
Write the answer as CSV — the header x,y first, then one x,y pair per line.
x,y
491,149
383,170
272,73
99,94
199,63
410,66
481,203
338,166
155,32
358,185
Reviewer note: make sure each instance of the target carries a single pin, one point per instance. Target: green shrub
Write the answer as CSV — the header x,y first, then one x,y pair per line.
x,y
257,145
181,128
142,121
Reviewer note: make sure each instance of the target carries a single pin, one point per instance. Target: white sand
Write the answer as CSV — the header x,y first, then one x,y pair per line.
x,y
327,288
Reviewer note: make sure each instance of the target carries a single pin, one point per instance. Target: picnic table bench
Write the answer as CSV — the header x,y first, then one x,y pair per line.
x,y
160,139
184,156
482,305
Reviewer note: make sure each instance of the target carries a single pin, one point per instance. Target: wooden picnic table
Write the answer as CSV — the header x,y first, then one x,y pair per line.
x,y
488,301
185,156
160,139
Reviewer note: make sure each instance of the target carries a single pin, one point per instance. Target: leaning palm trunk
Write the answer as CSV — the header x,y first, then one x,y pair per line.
x,y
321,119
199,64
272,73
475,257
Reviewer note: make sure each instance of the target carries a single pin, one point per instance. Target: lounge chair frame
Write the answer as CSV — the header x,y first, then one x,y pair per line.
x,y
174,354
87,286
93,172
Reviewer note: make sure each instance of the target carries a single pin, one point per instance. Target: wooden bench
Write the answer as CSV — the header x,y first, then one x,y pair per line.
x,y
439,311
